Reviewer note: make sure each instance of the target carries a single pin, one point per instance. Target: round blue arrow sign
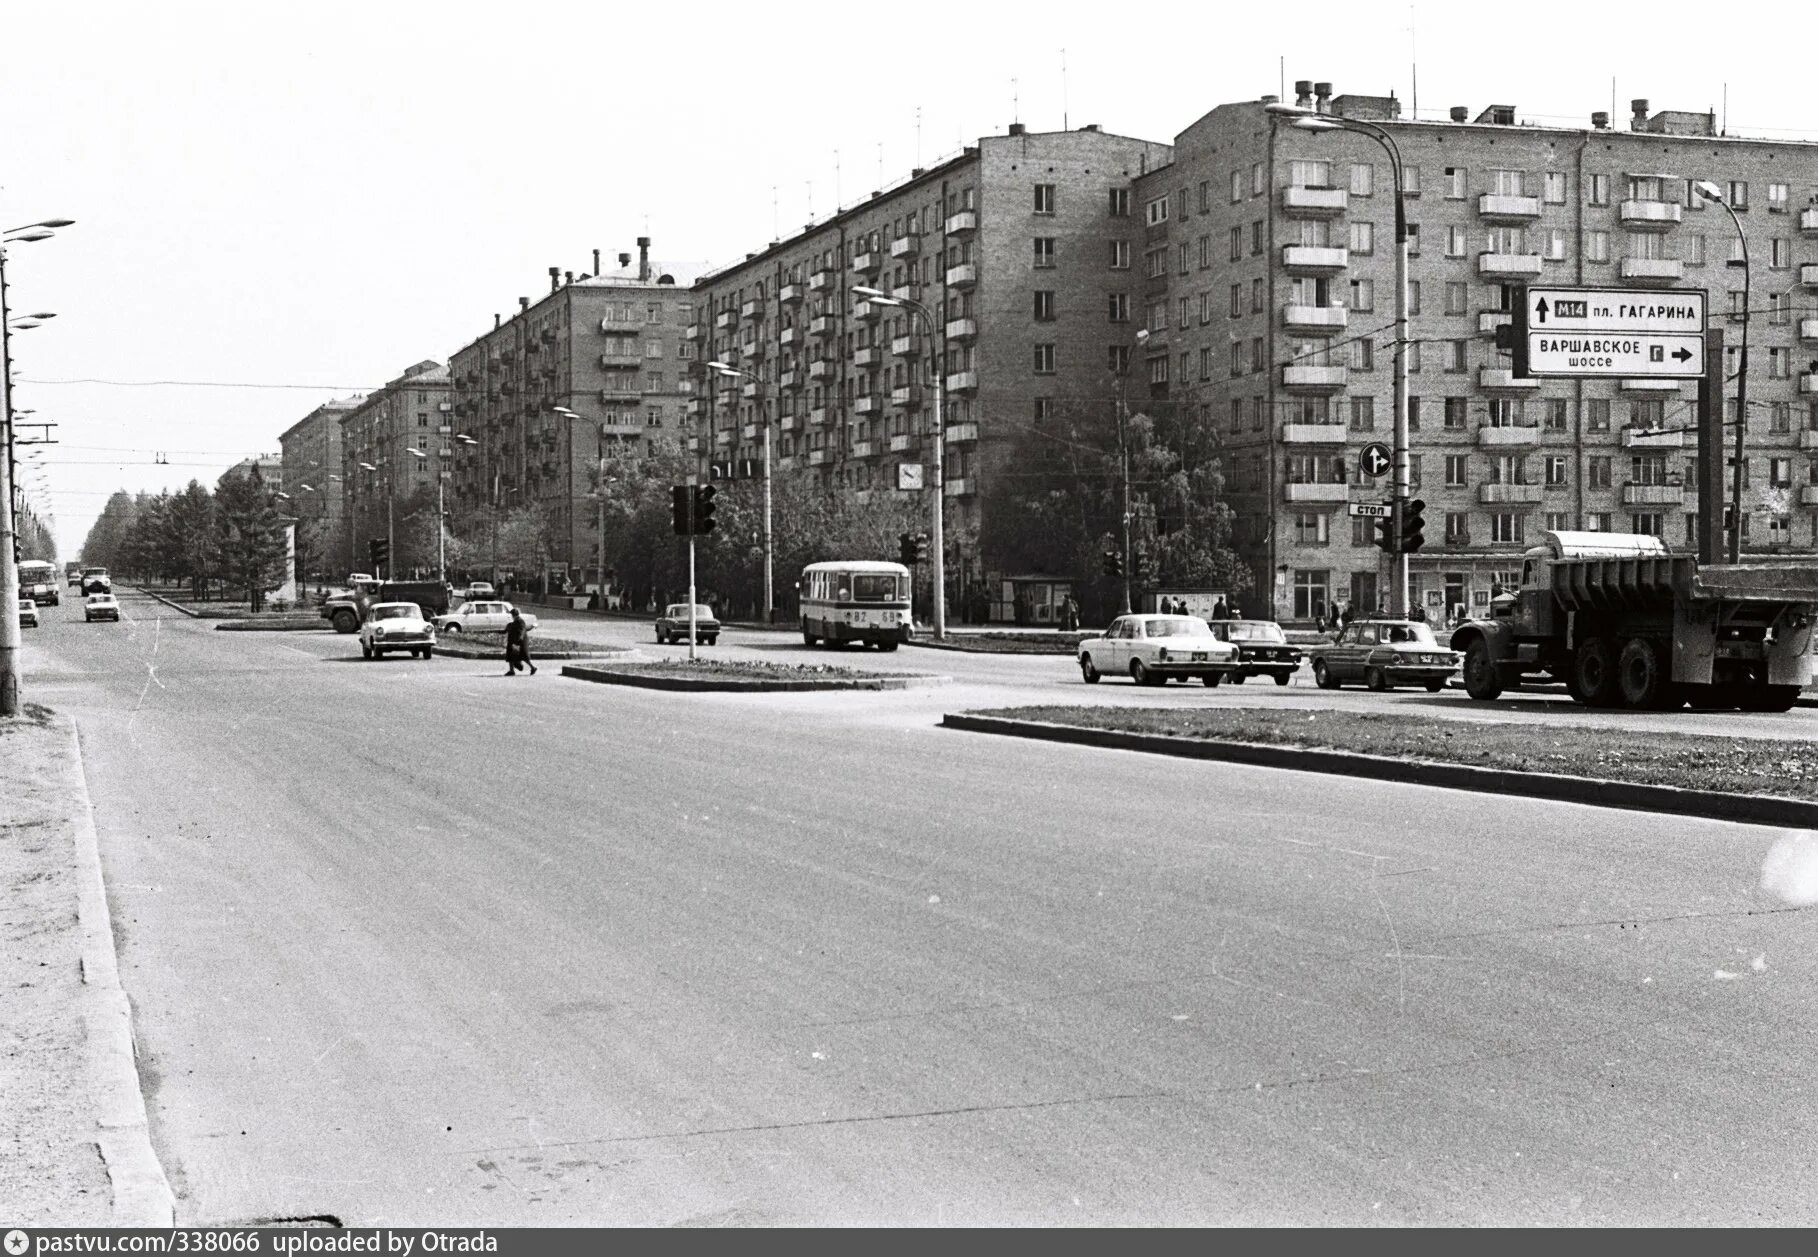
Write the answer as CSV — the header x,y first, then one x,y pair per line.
x,y
1375,459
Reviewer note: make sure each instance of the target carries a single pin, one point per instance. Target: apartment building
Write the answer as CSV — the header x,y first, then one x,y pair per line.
x,y
378,472
309,453
609,348
1019,248
1275,328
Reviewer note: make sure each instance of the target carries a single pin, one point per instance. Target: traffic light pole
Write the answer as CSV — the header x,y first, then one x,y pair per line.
x,y
1400,451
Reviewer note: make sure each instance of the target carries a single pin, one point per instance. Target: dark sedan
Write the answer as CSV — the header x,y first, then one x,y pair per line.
x,y
1263,650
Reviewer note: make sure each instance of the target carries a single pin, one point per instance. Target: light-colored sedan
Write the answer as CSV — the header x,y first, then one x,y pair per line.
x,y
481,617
479,589
100,607
1152,649
1384,654
672,625
28,613
391,626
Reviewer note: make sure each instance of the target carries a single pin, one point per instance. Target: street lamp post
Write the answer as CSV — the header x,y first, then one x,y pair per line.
x,y
936,512
1309,120
1711,192
726,370
441,517
9,567
1123,463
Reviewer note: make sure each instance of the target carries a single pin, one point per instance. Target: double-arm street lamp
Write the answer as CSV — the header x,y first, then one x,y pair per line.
x,y
9,567
1711,192
1310,120
727,371
937,511
441,508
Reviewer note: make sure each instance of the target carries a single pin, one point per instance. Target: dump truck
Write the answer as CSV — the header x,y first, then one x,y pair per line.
x,y
1624,621
346,610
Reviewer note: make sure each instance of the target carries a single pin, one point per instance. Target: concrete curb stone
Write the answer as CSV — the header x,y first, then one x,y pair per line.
x,y
632,677
1708,804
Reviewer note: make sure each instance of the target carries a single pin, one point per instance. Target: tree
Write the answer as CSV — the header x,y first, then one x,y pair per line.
x,y
250,534
187,537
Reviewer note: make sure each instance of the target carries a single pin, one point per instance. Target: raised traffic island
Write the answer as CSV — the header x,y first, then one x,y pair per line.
x,y
745,676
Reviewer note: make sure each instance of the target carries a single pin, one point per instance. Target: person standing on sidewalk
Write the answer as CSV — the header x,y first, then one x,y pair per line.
x,y
517,645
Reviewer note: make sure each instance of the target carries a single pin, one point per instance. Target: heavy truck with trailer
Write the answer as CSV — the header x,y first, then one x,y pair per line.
x,y
1624,621
346,610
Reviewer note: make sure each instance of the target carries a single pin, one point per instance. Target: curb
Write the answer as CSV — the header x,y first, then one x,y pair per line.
x,y
1752,809
142,1195
175,606
274,626
613,676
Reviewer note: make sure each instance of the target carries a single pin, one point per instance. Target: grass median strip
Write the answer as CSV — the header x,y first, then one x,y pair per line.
x,y
1727,765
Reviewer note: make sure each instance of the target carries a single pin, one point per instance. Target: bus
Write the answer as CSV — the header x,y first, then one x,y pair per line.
x,y
38,581
856,600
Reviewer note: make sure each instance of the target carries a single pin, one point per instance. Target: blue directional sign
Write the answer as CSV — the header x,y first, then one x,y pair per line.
x,y
1375,459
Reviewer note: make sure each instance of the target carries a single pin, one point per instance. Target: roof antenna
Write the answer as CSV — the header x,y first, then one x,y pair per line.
x,y
880,164
1413,66
1016,103
811,200
918,137
1064,89
837,192
776,221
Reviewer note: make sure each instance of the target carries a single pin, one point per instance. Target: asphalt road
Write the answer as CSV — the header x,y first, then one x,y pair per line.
x,y
412,943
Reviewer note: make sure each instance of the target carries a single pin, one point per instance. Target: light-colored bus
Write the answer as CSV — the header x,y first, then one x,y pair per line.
x,y
38,581
856,600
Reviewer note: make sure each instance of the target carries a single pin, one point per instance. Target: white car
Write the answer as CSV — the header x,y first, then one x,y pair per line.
x,y
1154,648
479,589
28,613
100,607
481,617
391,626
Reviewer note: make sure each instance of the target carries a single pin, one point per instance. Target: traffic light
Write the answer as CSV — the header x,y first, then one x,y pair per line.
x,y
380,550
1413,526
1114,563
905,548
680,498
703,509
1386,535
921,547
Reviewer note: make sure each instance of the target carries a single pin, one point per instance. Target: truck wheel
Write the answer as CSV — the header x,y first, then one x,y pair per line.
x,y
1644,675
1480,679
346,622
1595,669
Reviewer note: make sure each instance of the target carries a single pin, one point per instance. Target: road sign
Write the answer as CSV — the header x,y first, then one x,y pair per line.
x,y
1611,332
1372,510
1375,459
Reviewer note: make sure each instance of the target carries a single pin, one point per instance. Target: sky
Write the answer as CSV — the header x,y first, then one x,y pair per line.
x,y
277,204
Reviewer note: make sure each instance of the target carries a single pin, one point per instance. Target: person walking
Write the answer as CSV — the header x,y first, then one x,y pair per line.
x,y
517,645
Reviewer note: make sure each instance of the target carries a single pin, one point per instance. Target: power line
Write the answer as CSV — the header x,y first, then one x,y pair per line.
x,y
327,388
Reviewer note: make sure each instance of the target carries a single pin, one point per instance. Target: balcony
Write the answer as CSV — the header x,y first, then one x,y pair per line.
x,y
696,407
1301,202
869,356
694,445
905,346
1313,378
964,487
1489,320
1502,265
964,223
1808,274
1316,493
1808,221
961,433
752,348
1313,259
789,380
1314,320
1502,379
751,390
864,449
906,246
962,276
1634,385
903,292
817,416
789,423
962,329
789,337
789,294
1520,436
1313,434
1808,383
753,309
1649,215
1634,494
626,390
821,281
823,325
1496,207
867,404
908,396
818,458
820,370
723,320
867,262
962,382
621,358
1651,270
867,312
723,438
1808,439
1509,494
1642,439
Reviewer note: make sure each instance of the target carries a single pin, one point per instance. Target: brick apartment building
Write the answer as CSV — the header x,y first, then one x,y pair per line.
x,y
1270,259
309,453
378,475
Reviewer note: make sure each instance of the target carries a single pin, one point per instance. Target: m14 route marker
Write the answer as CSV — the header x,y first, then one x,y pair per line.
x,y
1610,332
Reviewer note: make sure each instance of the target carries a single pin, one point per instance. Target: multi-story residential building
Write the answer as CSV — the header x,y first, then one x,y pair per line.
x,y
310,457
1019,247
378,474
610,349
1276,331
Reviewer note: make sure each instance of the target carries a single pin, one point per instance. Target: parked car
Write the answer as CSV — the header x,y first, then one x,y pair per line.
x,y
481,617
479,589
100,607
28,613
1152,649
672,625
1383,654
393,626
1263,649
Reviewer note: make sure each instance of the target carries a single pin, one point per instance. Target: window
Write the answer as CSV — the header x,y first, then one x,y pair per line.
x,y
1363,415
1596,246
1256,295
1120,202
1692,249
1414,299
1237,357
1457,465
1156,211
1158,369
1780,530
1363,238
1237,243
1312,592
1457,409
1456,183
1205,308
1363,355
1413,240
1257,360
1555,413
1780,253
1413,414
1556,468
1312,528
1553,187
1184,315
1205,362
1205,252
1205,196
1237,414
1237,300
1597,190
1456,242
1738,194
1120,255
1410,180
1044,305
1457,294
1155,263
1506,528
1648,469
1363,294
1237,186
1044,359
1599,521
1310,174
1554,244
1158,316
1458,528
1597,471
1780,417
1180,203
1647,523
1506,412
1780,363
1363,179
1044,198
1044,252
1256,237
1259,179
1779,306
1780,472
1777,198
1559,521
1455,355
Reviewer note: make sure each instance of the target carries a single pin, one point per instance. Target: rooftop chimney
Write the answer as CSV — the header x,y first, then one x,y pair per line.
x,y
1600,120
568,277
523,304
555,278
1016,128
1303,93
1639,107
1460,112
596,261
1270,99
624,260
643,259
1322,97
498,321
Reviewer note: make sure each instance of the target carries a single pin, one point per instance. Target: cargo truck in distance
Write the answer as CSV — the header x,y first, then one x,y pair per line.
x,y
346,610
1625,622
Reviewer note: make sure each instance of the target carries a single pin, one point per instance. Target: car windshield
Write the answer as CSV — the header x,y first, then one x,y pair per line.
x,y
1247,631
400,611
680,612
1184,626
1408,634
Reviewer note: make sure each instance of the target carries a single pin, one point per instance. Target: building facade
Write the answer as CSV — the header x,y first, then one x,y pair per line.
x,y
379,474
311,464
1275,325
611,349
1019,249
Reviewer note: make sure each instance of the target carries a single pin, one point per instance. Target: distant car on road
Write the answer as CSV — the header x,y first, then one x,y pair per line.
x,y
100,607
95,580
1263,650
28,613
672,625
480,617
1154,648
1383,654
394,626
479,589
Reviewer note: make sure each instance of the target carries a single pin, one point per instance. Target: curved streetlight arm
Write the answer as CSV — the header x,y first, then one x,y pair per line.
x,y
1742,388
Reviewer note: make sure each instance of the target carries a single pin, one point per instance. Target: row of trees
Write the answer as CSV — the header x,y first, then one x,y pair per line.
x,y
231,540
